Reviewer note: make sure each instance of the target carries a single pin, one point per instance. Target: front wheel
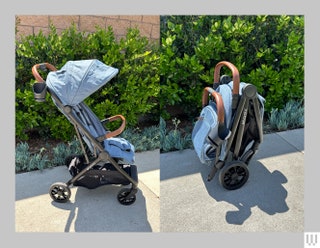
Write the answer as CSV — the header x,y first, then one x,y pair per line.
x,y
125,198
234,175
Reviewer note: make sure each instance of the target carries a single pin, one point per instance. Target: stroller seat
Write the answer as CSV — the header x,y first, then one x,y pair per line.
x,y
228,131
118,148
113,157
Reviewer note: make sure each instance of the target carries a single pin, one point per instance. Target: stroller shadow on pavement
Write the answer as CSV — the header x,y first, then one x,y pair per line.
x,y
99,211
96,210
270,201
264,189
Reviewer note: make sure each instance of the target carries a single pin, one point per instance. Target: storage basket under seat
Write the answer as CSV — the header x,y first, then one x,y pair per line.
x,y
106,174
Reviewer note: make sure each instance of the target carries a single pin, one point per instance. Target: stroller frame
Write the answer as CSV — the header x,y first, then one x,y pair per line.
x,y
59,191
238,154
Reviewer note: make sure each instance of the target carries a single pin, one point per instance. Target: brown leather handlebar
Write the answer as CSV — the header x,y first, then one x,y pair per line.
x,y
36,73
218,99
120,129
235,75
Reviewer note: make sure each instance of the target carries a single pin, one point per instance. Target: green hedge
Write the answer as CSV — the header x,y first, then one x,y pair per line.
x,y
267,50
133,92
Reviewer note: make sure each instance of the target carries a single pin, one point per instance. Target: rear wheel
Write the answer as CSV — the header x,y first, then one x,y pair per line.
x,y
234,175
60,192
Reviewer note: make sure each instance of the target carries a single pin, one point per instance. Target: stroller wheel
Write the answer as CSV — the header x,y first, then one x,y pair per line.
x,y
234,175
124,198
60,192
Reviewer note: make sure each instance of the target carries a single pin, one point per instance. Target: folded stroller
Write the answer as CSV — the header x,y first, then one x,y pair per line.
x,y
228,131
111,157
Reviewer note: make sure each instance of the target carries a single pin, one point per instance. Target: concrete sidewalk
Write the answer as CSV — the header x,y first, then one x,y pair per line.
x,y
96,210
270,201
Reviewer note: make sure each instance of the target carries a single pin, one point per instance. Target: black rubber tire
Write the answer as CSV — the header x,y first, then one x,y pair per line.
x,y
60,192
234,175
123,197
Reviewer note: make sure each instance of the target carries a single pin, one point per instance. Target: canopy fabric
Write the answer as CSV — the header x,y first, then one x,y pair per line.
x,y
77,80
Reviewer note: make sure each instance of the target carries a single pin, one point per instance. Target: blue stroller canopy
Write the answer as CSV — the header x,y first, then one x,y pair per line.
x,y
73,83
77,80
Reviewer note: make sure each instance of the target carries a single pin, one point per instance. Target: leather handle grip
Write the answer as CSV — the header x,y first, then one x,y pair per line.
x,y
41,66
120,129
218,99
235,75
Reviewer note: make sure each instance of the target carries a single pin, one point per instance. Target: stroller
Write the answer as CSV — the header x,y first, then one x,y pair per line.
x,y
228,131
112,157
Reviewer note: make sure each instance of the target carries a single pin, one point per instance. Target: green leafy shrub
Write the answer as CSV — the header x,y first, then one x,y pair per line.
x,y
133,92
267,50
